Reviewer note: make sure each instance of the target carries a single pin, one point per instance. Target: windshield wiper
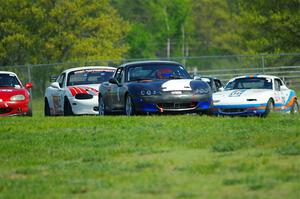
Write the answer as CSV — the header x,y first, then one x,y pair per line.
x,y
175,77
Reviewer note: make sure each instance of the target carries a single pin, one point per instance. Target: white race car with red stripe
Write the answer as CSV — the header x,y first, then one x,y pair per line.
x,y
75,91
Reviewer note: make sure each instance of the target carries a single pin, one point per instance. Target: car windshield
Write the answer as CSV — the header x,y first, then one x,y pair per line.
x,y
9,80
89,76
156,71
249,83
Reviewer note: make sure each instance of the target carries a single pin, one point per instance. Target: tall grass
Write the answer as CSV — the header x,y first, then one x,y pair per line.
x,y
185,156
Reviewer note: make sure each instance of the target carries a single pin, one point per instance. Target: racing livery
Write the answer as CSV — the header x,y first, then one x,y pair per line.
x,y
14,97
75,91
153,87
255,95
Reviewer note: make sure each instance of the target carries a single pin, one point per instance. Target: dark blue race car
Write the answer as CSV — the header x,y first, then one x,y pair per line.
x,y
153,87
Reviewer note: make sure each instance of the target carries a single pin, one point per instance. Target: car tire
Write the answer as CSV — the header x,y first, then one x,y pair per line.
x,y
67,108
46,108
129,108
101,106
29,112
269,108
295,107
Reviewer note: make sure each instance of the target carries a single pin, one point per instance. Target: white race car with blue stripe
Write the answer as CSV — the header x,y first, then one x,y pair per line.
x,y
255,95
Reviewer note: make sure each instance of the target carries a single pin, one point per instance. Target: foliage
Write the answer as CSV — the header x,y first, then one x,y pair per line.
x,y
269,26
48,31
55,31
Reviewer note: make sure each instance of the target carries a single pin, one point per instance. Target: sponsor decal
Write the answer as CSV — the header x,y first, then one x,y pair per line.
x,y
237,93
93,71
56,102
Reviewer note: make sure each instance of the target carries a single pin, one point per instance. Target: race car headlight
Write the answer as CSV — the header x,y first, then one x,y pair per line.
x,y
251,100
201,91
149,92
17,98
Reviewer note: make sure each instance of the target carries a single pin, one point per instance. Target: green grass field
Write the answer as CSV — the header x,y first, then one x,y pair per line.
x,y
149,157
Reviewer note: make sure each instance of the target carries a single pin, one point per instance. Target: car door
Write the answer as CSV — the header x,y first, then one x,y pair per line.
x,y
114,90
57,95
284,92
279,94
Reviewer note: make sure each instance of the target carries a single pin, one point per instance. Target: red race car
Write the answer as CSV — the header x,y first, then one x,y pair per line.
x,y
14,97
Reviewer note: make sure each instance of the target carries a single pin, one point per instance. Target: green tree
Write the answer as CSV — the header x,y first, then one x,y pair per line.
x,y
48,31
156,24
215,28
269,26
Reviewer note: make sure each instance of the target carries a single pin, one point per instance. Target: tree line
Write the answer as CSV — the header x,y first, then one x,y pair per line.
x,y
47,31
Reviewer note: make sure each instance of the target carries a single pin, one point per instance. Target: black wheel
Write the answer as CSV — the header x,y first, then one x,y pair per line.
x,y
67,108
101,106
295,107
129,108
29,112
269,108
46,108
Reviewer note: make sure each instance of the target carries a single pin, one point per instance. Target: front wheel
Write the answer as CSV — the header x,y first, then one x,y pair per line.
x,y
129,108
67,108
101,106
46,108
295,107
269,108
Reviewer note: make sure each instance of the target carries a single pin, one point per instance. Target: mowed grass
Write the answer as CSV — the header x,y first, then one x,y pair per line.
x,y
180,157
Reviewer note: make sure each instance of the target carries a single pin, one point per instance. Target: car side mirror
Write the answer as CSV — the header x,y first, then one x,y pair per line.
x,y
55,85
113,81
221,89
283,87
28,85
197,77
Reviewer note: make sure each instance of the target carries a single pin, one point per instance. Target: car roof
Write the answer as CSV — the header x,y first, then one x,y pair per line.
x,y
8,72
254,76
210,77
149,62
89,67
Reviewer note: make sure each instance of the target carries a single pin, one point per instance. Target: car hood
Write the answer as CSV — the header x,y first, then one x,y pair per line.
x,y
7,92
242,94
84,89
170,85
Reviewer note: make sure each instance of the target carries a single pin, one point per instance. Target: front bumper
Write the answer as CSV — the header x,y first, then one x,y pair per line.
x,y
239,109
172,103
10,108
84,106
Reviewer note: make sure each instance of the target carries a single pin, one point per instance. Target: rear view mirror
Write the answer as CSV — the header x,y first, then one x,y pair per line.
x,y
221,89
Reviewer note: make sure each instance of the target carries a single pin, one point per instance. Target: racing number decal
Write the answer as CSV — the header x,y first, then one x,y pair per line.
x,y
56,102
237,93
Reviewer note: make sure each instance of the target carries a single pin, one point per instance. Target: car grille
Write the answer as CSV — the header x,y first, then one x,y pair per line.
x,y
233,110
175,106
83,96
5,110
